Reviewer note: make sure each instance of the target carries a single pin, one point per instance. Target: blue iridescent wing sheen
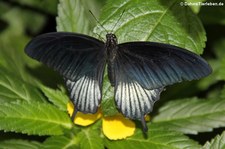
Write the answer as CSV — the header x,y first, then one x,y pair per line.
x,y
154,65
79,59
132,100
143,69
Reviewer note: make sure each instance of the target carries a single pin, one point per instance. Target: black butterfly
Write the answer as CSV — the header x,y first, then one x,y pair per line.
x,y
138,70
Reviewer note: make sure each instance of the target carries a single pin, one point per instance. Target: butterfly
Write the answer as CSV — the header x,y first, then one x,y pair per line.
x,y
138,71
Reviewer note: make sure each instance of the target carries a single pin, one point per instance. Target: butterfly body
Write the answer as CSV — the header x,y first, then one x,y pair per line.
x,y
111,47
138,71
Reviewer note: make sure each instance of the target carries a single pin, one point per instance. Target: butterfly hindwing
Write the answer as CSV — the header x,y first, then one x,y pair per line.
x,y
155,65
131,98
86,92
79,59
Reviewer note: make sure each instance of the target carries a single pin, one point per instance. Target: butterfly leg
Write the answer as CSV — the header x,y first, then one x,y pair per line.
x,y
144,126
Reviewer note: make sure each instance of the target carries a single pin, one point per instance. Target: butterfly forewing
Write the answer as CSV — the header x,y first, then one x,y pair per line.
x,y
155,65
79,59
72,55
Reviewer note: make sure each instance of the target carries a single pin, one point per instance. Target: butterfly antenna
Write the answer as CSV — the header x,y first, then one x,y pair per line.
x,y
100,37
98,21
118,21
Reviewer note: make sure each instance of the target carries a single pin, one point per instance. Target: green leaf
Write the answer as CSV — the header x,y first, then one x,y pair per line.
x,y
57,97
90,139
33,118
195,5
12,88
156,138
217,143
13,40
108,103
217,64
192,115
154,20
61,142
220,54
19,21
79,137
74,16
222,93
19,144
13,58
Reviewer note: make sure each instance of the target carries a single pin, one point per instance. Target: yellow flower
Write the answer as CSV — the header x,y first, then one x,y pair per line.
x,y
114,127
117,127
83,119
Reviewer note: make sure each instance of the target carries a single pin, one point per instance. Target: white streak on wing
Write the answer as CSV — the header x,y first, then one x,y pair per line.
x,y
123,95
85,94
97,93
90,91
141,99
82,94
128,95
134,96
146,96
79,92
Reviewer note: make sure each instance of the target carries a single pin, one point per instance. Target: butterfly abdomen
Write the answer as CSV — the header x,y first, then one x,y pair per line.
x,y
111,65
111,74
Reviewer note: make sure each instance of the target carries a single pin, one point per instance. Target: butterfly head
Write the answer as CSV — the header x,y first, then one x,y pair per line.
x,y
111,40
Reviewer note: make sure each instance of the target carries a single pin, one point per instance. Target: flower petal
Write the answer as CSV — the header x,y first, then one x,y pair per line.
x,y
83,119
117,127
